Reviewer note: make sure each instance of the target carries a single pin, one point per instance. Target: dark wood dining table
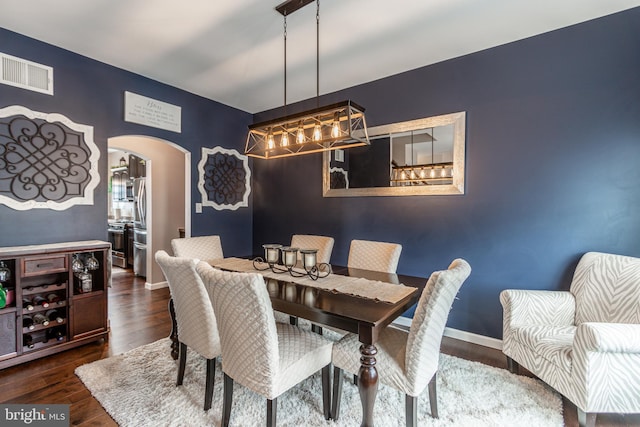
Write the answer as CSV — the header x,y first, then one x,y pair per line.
x,y
362,316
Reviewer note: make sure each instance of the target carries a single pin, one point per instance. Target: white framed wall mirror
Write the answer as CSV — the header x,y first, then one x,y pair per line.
x,y
412,158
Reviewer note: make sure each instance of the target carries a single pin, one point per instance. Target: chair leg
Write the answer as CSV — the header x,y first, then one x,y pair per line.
x,y
513,366
411,410
433,396
208,390
227,400
337,393
182,362
586,419
326,391
272,410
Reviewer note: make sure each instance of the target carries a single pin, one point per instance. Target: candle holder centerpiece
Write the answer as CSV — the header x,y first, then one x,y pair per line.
x,y
283,259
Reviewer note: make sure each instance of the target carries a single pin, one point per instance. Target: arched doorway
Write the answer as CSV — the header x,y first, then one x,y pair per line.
x,y
168,194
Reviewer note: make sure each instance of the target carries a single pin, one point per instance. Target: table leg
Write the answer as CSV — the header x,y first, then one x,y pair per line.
x,y
173,336
367,382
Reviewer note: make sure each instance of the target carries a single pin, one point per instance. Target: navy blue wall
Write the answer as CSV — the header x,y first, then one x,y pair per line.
x,y
553,148
92,93
552,170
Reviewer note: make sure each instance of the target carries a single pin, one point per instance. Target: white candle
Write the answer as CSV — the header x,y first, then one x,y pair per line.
x,y
272,254
290,258
309,260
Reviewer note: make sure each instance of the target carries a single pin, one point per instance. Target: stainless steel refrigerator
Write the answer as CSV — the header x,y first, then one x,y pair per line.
x,y
140,227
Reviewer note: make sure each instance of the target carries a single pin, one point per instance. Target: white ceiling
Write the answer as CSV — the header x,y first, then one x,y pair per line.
x,y
232,51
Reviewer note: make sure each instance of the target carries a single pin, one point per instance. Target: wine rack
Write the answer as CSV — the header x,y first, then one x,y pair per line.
x,y
61,299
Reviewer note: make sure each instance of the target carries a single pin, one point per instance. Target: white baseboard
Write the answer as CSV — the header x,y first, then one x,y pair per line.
x,y
154,286
405,323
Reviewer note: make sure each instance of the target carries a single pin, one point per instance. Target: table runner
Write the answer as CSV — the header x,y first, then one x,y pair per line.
x,y
365,288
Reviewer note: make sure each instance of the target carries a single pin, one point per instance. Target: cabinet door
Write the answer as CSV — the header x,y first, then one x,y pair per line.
x,y
89,315
8,335
119,180
137,167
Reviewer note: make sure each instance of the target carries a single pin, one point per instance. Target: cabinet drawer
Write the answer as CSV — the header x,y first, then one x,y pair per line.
x,y
44,265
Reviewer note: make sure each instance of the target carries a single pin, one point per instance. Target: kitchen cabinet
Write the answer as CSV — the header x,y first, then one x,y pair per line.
x,y
61,299
121,185
137,167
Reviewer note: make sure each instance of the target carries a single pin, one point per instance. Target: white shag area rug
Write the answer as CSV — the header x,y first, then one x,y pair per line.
x,y
138,389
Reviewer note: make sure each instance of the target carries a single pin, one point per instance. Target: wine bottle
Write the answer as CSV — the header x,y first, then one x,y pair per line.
x,y
28,341
56,333
39,300
27,304
53,298
54,316
40,319
27,322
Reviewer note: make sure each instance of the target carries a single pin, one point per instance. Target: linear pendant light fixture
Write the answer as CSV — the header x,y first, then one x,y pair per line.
x,y
340,125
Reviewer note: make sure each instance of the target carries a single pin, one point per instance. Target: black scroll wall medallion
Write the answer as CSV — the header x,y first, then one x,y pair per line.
x,y
46,160
225,179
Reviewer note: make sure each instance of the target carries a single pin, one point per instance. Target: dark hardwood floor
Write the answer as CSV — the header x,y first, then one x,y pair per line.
x,y
139,316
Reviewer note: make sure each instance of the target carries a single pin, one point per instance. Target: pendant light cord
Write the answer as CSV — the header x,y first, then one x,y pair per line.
x,y
411,148
285,63
433,162
318,53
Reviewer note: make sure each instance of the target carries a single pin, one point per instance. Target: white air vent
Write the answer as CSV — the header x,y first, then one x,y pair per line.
x,y
26,74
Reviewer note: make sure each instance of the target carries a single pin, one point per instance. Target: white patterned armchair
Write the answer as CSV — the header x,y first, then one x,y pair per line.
x,y
585,343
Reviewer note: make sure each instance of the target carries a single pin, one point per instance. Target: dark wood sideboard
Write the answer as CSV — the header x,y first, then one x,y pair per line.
x,y
78,314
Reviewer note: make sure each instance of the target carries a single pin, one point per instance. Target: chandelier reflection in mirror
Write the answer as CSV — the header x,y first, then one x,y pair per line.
x,y
274,254
423,164
340,125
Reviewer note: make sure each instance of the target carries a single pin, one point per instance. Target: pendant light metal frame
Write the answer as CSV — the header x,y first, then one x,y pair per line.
x,y
336,126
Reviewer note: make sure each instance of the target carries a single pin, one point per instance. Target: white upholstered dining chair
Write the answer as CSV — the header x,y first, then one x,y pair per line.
x,y
585,342
203,248
194,315
323,244
374,256
407,361
267,357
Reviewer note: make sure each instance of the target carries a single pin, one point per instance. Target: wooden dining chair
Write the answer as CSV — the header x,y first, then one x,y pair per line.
x,y
194,315
374,256
203,248
267,357
407,361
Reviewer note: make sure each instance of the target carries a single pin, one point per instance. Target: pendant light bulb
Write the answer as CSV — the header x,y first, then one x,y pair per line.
x,y
300,134
335,127
335,130
271,143
284,142
317,133
432,174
